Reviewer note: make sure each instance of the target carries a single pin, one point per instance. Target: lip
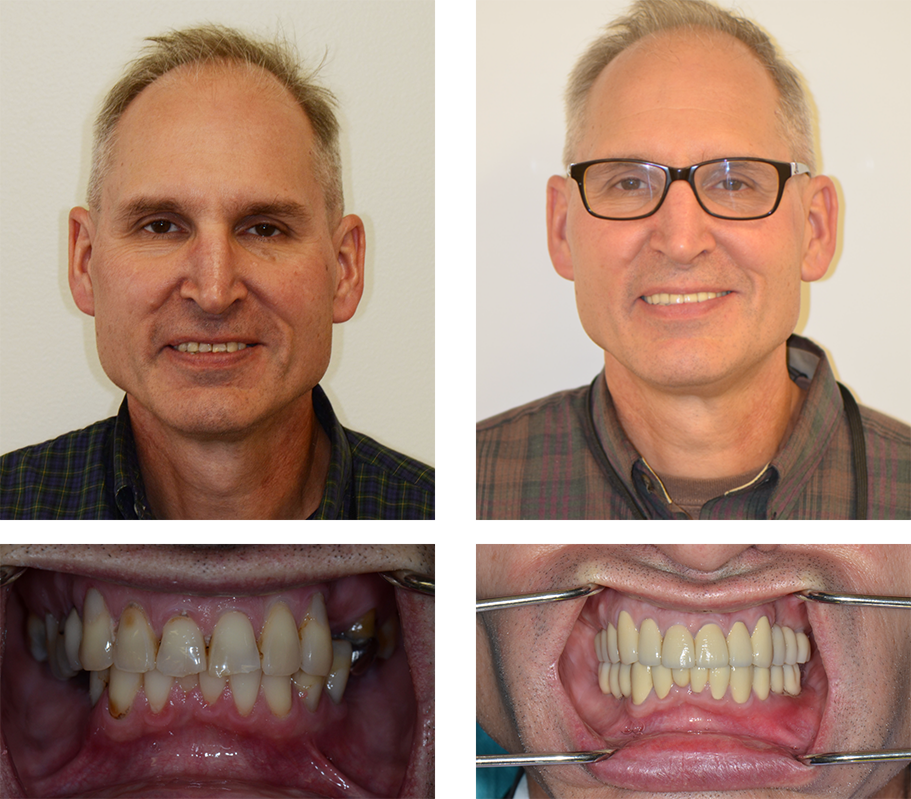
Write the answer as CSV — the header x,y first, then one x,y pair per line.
x,y
684,310
242,571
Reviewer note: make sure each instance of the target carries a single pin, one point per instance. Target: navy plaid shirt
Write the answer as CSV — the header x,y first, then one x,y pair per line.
x,y
94,473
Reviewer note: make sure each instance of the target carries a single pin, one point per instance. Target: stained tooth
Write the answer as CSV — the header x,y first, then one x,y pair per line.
x,y
615,680
211,687
741,683
311,687
627,638
776,679
803,648
761,641
363,628
681,677
662,679
623,679
245,689
122,689
613,651
337,678
205,348
63,670
699,677
719,678
791,679
97,681
279,643
316,639
740,648
219,348
157,687
183,650
678,651
233,647
604,677
761,682
649,643
97,649
790,646
72,633
37,640
241,346
182,347
136,645
387,637
711,648
231,346
277,690
193,346
641,682
778,646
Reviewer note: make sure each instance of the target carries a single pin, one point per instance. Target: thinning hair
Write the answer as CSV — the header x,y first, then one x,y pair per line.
x,y
208,44
648,17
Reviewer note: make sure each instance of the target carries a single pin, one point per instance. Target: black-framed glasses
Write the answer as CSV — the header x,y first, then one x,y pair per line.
x,y
727,188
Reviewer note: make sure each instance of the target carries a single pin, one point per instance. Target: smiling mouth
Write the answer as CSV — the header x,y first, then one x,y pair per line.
x,y
111,689
682,299
196,347
695,701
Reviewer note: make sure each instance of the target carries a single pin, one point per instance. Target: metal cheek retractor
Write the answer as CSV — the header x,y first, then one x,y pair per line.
x,y
411,581
842,758
9,574
521,600
867,600
499,761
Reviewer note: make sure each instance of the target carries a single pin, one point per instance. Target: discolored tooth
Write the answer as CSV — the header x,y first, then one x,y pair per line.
x,y
309,686
641,682
277,690
188,683
157,687
711,648
678,650
604,677
791,678
790,646
741,683
615,680
761,640
245,689
233,647
72,634
761,682
776,679
627,638
337,678
719,678
211,687
699,677
624,679
778,647
662,679
97,649
613,651
387,637
183,650
740,647
681,677
363,628
316,639
803,648
649,643
63,670
97,681
136,645
122,689
280,645
37,640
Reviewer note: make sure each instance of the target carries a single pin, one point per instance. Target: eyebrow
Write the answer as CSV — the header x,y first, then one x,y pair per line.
x,y
145,206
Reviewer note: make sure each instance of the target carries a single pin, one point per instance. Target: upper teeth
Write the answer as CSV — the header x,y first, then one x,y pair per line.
x,y
679,299
196,346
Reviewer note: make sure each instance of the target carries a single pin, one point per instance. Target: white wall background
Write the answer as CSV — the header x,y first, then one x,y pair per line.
x,y
59,58
856,59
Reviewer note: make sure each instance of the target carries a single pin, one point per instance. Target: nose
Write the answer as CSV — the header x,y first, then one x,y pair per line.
x,y
704,557
681,228
213,272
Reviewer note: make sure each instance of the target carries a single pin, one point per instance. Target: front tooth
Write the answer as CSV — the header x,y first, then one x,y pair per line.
x,y
97,649
188,683
719,678
122,689
337,678
231,346
740,648
183,650
277,690
678,651
72,633
776,679
778,646
279,644
711,648
681,677
699,677
193,346
790,646
233,647
761,682
219,348
205,348
245,689
624,679
662,679
316,639
762,643
136,645
641,682
627,638
97,681
157,687
311,687
741,683
650,643
211,687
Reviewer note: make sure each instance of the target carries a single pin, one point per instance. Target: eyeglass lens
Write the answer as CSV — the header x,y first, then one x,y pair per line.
x,y
734,189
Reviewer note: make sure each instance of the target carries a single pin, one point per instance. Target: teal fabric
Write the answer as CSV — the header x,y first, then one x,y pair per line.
x,y
491,783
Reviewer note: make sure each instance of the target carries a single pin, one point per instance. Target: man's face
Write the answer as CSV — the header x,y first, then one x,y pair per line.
x,y
201,717
538,667
212,231
678,100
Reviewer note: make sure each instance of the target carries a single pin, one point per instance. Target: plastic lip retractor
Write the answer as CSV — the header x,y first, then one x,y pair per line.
x,y
596,755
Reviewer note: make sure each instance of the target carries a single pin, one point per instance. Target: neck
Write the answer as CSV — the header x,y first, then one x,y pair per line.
x,y
708,432
276,471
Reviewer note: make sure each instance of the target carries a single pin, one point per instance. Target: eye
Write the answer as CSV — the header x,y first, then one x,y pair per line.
x,y
160,227
264,230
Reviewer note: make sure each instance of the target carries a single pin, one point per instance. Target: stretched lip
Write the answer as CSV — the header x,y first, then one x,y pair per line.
x,y
694,290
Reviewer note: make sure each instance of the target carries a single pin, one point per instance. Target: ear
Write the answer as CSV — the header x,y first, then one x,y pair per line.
x,y
350,249
557,244
81,235
821,227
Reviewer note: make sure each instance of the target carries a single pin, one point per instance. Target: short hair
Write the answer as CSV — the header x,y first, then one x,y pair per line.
x,y
647,17
208,44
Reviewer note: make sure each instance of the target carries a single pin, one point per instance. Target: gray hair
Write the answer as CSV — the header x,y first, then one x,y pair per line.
x,y
654,16
211,44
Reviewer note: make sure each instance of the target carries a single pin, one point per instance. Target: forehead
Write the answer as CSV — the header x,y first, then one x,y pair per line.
x,y
693,90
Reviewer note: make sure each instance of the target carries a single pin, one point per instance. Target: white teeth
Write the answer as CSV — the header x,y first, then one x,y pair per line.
x,y
205,348
136,645
245,689
277,691
309,686
279,644
740,648
233,647
640,682
627,638
650,643
679,648
97,649
188,683
711,648
778,647
316,639
680,299
182,650
197,346
211,687
337,678
741,683
157,687
761,641
719,678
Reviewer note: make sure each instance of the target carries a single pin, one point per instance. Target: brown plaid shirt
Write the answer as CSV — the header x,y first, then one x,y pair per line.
x,y
546,460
